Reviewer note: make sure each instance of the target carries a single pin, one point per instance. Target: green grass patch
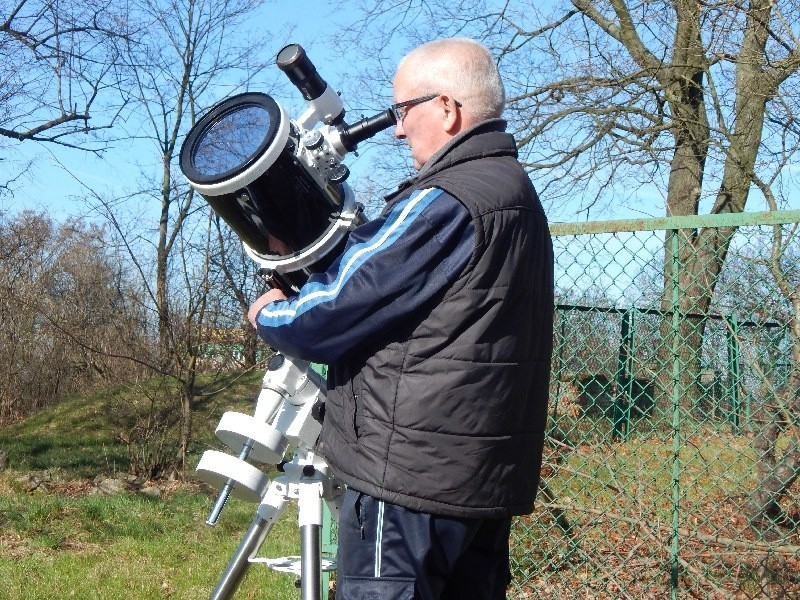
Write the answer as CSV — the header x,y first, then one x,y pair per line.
x,y
75,436
130,546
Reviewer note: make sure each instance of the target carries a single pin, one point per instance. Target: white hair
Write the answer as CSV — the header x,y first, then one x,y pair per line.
x,y
461,68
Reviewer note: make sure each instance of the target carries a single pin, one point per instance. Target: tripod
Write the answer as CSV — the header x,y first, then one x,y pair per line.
x,y
287,414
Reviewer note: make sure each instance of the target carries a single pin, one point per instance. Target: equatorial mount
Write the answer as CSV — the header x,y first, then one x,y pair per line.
x,y
286,416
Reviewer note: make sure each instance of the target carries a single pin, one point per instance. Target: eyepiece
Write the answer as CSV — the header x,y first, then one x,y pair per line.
x,y
364,129
293,61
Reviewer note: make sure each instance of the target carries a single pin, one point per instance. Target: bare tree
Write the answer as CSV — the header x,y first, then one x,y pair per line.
x,y
58,70
186,57
241,285
190,53
66,313
777,442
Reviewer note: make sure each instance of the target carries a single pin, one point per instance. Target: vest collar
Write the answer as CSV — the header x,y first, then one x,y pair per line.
x,y
487,138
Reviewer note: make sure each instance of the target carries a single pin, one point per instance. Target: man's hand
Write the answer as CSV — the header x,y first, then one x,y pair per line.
x,y
271,296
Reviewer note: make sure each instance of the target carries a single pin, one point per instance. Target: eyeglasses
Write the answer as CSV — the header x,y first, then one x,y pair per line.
x,y
400,110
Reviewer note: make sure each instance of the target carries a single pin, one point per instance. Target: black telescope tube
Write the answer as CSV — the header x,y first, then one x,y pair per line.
x,y
364,129
293,61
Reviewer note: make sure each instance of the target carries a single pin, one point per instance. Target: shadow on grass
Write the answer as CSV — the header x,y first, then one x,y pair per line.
x,y
78,455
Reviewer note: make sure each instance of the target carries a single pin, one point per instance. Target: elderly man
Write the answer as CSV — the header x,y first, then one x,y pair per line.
x,y
436,324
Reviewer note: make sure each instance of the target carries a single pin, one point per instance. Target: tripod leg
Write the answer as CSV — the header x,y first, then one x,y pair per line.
x,y
310,521
269,511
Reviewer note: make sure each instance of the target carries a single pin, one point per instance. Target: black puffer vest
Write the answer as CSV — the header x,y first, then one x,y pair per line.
x,y
447,415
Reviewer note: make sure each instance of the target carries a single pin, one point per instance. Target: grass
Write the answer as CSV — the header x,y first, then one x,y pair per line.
x,y
126,546
74,436
80,436
59,541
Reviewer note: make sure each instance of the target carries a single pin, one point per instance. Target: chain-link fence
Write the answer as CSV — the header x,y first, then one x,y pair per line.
x,y
673,447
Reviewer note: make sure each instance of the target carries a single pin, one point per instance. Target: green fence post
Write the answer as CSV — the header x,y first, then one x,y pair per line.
x,y
330,545
559,366
676,414
734,377
624,378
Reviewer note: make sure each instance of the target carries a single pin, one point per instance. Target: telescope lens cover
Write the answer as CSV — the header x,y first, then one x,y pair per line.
x,y
230,138
231,141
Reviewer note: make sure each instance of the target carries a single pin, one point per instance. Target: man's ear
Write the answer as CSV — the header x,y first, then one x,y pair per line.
x,y
452,123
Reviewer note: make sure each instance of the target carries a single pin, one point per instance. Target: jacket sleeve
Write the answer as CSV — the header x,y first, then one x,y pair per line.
x,y
391,266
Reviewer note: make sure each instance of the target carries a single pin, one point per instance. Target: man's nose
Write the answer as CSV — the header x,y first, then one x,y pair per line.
x,y
398,130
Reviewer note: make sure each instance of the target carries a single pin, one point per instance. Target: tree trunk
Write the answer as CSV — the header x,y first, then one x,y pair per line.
x,y
162,308
775,473
187,411
701,254
251,346
681,338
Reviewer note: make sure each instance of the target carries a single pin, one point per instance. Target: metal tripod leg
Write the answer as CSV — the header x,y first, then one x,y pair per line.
x,y
310,521
269,511
309,496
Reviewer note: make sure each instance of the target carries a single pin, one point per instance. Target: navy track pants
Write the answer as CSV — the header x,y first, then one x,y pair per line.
x,y
387,552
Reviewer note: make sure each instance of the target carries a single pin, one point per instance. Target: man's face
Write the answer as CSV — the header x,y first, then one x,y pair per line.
x,y
422,125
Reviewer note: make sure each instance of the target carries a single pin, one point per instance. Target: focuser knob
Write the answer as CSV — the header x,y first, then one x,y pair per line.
x,y
339,173
313,139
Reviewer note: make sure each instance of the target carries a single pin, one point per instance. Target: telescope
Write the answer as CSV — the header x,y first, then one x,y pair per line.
x,y
280,184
